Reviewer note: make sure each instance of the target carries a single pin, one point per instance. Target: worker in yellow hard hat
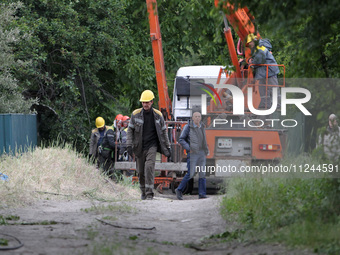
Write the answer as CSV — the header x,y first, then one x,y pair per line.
x,y
250,38
267,75
102,146
147,134
97,135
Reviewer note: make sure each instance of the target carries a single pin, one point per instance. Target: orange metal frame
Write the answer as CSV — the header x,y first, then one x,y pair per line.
x,y
241,20
250,82
164,102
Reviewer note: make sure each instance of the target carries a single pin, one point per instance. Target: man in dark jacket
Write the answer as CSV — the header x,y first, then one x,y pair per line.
x,y
96,138
147,134
194,141
107,151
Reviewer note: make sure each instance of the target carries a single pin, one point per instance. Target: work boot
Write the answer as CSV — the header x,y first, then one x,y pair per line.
x,y
143,197
202,197
179,194
149,197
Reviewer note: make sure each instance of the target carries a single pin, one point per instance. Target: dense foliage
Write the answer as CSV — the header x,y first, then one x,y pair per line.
x,y
77,50
11,98
93,58
296,208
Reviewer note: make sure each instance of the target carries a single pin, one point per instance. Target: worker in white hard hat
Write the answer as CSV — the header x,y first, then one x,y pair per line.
x,y
332,123
331,139
146,135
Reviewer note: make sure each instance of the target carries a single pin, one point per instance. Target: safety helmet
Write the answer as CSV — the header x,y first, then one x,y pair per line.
x,y
119,117
125,118
147,96
250,38
332,117
100,122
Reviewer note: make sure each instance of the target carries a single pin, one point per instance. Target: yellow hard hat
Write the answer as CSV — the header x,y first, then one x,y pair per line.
x,y
147,96
100,122
250,38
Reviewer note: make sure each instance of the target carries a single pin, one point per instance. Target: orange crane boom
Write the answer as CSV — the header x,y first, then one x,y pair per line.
x,y
242,22
164,102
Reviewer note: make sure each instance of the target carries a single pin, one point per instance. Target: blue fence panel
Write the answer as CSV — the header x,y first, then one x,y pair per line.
x,y
2,134
18,132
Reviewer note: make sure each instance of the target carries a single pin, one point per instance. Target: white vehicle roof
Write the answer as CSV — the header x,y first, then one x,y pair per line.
x,y
211,71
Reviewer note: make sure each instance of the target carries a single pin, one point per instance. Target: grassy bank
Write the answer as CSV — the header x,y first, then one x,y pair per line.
x,y
303,212
56,173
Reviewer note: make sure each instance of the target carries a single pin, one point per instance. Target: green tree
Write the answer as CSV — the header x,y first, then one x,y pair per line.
x,y
78,50
11,98
93,58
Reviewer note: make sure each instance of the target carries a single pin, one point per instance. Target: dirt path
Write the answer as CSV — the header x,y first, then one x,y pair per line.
x,y
161,226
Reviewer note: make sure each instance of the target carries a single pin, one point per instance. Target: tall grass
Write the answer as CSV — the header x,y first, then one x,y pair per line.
x,y
55,172
296,211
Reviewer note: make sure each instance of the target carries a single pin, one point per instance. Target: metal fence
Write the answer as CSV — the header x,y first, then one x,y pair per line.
x,y
18,132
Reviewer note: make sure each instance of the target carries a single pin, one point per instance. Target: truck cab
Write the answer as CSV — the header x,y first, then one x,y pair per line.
x,y
188,88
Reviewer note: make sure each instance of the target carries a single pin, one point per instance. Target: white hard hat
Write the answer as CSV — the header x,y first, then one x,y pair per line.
x,y
332,117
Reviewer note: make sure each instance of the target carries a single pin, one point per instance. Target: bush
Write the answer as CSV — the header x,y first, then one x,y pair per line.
x,y
294,210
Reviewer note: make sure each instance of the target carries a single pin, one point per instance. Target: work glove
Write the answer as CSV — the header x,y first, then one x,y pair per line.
x,y
169,158
129,150
125,156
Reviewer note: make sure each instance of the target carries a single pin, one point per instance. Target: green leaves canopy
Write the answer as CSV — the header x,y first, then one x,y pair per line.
x,y
11,99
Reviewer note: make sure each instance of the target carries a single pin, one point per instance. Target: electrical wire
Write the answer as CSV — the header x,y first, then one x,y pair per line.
x,y
11,248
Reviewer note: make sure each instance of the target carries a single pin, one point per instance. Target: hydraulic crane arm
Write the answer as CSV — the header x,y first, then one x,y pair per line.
x,y
156,39
242,22
239,18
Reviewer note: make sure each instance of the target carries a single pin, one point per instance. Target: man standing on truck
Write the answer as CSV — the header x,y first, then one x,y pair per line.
x,y
147,134
194,141
260,51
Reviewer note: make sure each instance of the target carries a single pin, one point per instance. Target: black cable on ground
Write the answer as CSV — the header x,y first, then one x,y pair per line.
x,y
12,248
